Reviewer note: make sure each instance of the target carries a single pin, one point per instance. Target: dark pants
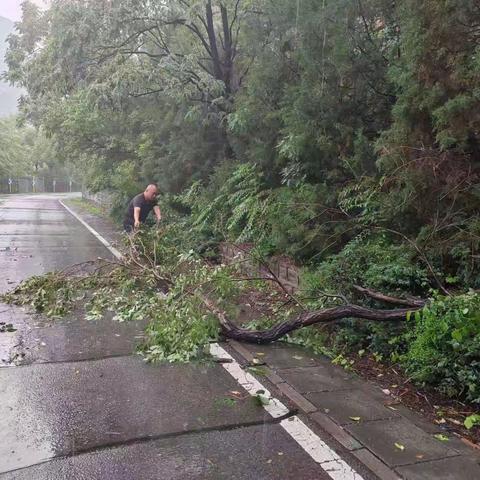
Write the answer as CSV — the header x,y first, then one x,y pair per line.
x,y
128,227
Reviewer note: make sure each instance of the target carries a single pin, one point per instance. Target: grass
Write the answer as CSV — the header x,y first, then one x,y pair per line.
x,y
87,205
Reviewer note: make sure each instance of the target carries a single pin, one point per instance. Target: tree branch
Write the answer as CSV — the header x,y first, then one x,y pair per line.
x,y
213,41
410,302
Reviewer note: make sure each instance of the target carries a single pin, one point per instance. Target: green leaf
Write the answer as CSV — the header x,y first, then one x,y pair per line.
x,y
261,399
457,335
441,437
257,371
471,421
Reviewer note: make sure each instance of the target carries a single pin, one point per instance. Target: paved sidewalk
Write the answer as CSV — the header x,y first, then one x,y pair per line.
x,y
391,440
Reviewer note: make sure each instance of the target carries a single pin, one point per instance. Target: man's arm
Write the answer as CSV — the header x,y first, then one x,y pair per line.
x,y
158,213
136,216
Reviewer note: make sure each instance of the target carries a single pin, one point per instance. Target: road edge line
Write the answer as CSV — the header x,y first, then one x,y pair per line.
x,y
99,237
332,464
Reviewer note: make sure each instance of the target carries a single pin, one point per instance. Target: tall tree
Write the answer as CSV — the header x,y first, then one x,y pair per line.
x,y
101,76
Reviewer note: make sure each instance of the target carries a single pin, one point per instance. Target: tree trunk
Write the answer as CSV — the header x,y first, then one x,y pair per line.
x,y
328,315
228,61
212,39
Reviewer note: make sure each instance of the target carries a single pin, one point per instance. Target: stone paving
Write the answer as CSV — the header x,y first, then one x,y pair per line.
x,y
391,440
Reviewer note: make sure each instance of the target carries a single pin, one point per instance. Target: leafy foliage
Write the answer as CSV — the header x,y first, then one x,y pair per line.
x,y
445,351
48,294
293,126
180,326
373,261
237,205
25,150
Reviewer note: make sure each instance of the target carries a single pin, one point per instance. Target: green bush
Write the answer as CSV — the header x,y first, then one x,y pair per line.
x,y
298,219
445,352
369,261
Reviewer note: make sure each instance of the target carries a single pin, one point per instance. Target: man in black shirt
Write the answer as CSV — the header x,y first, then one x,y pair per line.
x,y
139,208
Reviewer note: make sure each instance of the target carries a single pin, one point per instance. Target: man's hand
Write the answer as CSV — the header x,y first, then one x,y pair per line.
x,y
136,225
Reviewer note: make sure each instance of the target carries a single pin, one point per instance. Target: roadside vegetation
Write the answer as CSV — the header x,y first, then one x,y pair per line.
x,y
344,134
25,150
88,206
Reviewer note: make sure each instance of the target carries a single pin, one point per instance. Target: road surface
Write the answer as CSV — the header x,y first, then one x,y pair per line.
x,y
77,403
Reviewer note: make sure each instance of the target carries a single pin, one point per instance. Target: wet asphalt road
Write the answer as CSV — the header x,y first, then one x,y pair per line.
x,y
76,403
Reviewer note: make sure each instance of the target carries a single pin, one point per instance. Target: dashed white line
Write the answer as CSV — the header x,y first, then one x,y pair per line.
x,y
318,450
102,240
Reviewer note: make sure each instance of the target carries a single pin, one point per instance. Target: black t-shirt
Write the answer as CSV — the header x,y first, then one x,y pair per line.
x,y
145,208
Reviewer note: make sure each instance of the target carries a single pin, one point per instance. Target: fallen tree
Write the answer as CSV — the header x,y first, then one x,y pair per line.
x,y
188,298
328,315
190,302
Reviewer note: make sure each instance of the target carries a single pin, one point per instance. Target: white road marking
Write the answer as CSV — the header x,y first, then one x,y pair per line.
x,y
102,240
318,450
274,407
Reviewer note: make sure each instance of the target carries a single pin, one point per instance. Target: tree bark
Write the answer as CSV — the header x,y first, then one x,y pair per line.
x,y
228,61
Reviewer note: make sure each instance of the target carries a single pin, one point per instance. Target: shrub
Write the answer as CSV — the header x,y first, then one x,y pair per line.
x,y
445,352
298,219
374,262
369,261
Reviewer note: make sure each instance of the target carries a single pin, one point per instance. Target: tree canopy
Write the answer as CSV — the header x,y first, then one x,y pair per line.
x,y
364,110
25,151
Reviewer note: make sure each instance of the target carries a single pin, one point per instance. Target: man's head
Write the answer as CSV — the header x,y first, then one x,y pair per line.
x,y
151,192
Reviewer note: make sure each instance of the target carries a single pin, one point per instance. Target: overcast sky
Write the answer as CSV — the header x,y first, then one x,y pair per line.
x,y
11,8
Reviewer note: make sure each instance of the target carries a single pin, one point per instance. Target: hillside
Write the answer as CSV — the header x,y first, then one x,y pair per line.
x,y
8,94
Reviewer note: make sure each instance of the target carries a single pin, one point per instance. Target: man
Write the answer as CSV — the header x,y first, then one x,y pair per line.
x,y
139,208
